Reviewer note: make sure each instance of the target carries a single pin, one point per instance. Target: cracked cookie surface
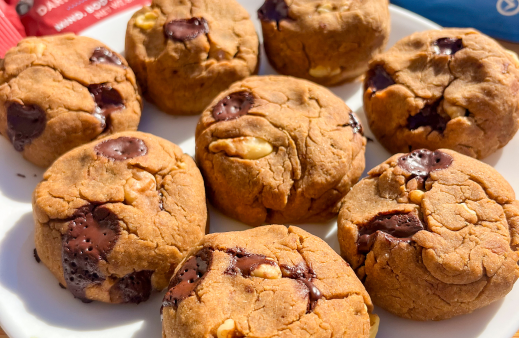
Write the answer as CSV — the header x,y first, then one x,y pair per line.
x,y
450,88
59,92
280,150
113,218
186,52
269,281
432,234
327,42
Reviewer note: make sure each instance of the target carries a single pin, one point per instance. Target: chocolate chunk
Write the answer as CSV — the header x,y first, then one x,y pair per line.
x,y
273,10
428,117
107,101
304,275
91,236
36,257
122,148
244,263
103,55
184,283
233,106
379,79
132,288
24,124
355,124
447,46
185,29
399,226
422,162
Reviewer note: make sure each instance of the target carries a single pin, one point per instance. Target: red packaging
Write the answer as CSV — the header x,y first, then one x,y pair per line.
x,y
11,29
47,17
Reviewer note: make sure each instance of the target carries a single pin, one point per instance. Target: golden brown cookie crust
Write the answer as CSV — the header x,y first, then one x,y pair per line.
x,y
158,198
327,42
475,92
316,154
183,77
270,307
464,259
54,73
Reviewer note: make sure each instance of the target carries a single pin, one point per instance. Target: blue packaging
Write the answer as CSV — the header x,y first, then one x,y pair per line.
x,y
497,18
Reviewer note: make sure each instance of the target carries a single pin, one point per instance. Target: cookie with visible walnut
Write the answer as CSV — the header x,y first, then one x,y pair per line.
x,y
450,88
280,150
327,42
432,234
113,218
186,52
269,281
59,92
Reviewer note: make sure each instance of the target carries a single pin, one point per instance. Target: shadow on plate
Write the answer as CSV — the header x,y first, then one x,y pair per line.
x,y
42,297
473,324
494,158
14,167
177,129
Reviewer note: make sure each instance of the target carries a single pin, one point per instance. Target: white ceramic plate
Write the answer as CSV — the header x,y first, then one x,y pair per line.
x,y
32,305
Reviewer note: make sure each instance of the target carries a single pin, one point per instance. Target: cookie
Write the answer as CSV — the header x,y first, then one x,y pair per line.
x,y
266,282
59,92
432,234
450,88
280,150
326,42
186,52
113,218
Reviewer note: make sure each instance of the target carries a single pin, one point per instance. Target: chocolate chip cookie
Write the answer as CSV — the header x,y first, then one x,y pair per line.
x,y
432,234
280,150
113,218
186,52
327,42
266,282
59,92
451,88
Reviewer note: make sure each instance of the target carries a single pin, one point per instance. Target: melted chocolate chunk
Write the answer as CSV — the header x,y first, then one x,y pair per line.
x,y
428,116
273,10
379,79
36,257
184,283
304,275
244,263
355,124
422,162
399,226
233,106
132,288
91,236
103,55
107,101
185,29
122,148
447,46
24,124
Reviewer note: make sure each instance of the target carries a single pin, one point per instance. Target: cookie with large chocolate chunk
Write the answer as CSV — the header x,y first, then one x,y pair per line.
x,y
450,88
186,52
270,281
327,42
60,92
277,149
113,218
432,234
